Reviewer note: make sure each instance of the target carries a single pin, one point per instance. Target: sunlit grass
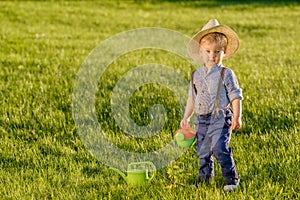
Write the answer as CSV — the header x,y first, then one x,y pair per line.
x,y
43,45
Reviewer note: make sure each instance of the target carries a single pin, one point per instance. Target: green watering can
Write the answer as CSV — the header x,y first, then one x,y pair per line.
x,y
137,175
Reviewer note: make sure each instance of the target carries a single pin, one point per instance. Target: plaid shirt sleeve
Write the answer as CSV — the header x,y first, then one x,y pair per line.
x,y
232,86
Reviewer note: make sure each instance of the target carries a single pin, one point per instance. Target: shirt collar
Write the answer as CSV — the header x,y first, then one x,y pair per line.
x,y
213,69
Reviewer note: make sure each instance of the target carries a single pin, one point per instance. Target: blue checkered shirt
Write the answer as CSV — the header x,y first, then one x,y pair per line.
x,y
206,85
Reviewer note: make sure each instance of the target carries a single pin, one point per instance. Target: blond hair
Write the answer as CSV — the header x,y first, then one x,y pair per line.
x,y
218,38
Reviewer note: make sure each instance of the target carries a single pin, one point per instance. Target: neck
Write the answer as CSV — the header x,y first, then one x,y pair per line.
x,y
208,68
211,66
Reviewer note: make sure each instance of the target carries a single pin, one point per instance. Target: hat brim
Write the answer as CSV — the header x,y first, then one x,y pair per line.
x,y
232,40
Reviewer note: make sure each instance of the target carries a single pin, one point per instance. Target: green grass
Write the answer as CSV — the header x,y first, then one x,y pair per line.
x,y
43,45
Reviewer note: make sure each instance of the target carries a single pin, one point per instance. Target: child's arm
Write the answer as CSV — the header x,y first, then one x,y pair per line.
x,y
237,114
189,109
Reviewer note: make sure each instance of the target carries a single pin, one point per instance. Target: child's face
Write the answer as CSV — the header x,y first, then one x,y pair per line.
x,y
212,53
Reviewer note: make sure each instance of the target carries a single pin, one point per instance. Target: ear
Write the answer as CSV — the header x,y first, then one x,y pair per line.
x,y
200,50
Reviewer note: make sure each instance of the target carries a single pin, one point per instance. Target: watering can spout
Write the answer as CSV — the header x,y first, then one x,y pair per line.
x,y
121,173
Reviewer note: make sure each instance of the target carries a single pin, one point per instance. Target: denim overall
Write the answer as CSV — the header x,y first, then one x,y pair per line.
x,y
213,137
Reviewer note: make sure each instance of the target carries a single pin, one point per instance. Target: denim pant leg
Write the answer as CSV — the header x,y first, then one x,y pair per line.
x,y
206,170
221,150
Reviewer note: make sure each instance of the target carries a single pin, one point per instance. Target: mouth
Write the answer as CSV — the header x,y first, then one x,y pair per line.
x,y
211,63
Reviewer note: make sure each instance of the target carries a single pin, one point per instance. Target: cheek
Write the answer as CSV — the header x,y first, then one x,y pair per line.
x,y
203,54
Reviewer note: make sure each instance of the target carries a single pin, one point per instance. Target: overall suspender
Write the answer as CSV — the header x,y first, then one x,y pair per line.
x,y
194,90
217,101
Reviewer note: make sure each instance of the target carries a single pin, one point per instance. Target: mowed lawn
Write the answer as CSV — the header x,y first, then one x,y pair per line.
x,y
42,47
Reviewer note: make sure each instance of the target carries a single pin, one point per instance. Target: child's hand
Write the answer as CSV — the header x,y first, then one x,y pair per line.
x,y
184,123
236,123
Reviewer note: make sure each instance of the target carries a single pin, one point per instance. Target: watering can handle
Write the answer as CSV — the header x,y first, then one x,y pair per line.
x,y
146,162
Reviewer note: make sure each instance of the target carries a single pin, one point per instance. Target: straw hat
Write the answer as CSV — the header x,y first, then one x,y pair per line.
x,y
214,26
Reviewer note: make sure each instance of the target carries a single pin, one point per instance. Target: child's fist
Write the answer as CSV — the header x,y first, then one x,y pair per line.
x,y
184,123
236,124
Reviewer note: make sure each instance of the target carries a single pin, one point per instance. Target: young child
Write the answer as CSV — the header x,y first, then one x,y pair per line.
x,y
213,88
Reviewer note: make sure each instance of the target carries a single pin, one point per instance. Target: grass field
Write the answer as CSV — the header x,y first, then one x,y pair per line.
x,y
43,45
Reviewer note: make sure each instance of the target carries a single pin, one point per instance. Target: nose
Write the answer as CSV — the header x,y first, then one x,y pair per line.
x,y
212,55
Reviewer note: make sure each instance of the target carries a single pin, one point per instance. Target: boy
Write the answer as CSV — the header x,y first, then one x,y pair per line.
x,y
213,88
